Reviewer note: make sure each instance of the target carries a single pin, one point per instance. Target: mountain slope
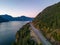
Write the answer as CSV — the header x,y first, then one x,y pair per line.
x,y
23,36
49,22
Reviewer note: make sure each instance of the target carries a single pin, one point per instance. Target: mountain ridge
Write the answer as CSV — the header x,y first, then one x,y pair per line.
x,y
6,18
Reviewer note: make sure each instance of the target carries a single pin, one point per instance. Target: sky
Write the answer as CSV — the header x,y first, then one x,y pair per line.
x,y
29,8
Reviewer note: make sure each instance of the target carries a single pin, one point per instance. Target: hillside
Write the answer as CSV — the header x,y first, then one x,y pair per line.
x,y
48,21
23,36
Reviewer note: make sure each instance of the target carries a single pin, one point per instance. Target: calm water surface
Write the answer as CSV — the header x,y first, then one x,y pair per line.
x,y
8,31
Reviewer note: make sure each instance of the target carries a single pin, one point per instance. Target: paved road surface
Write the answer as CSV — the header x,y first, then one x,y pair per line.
x,y
40,36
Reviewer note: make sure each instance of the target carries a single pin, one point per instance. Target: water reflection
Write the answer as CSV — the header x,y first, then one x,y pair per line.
x,y
8,31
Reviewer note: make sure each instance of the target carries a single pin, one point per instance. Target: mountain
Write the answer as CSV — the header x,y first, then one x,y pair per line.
x,y
23,18
48,21
49,17
3,20
6,18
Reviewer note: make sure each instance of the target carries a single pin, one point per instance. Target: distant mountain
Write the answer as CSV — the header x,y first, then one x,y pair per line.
x,y
5,18
23,18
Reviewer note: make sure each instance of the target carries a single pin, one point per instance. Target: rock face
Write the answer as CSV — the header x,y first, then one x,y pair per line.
x,y
49,22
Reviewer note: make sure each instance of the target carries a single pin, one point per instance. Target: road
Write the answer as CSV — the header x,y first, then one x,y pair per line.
x,y
40,36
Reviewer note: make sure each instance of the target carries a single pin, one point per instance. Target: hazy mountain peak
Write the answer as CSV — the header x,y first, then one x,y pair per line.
x,y
23,16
